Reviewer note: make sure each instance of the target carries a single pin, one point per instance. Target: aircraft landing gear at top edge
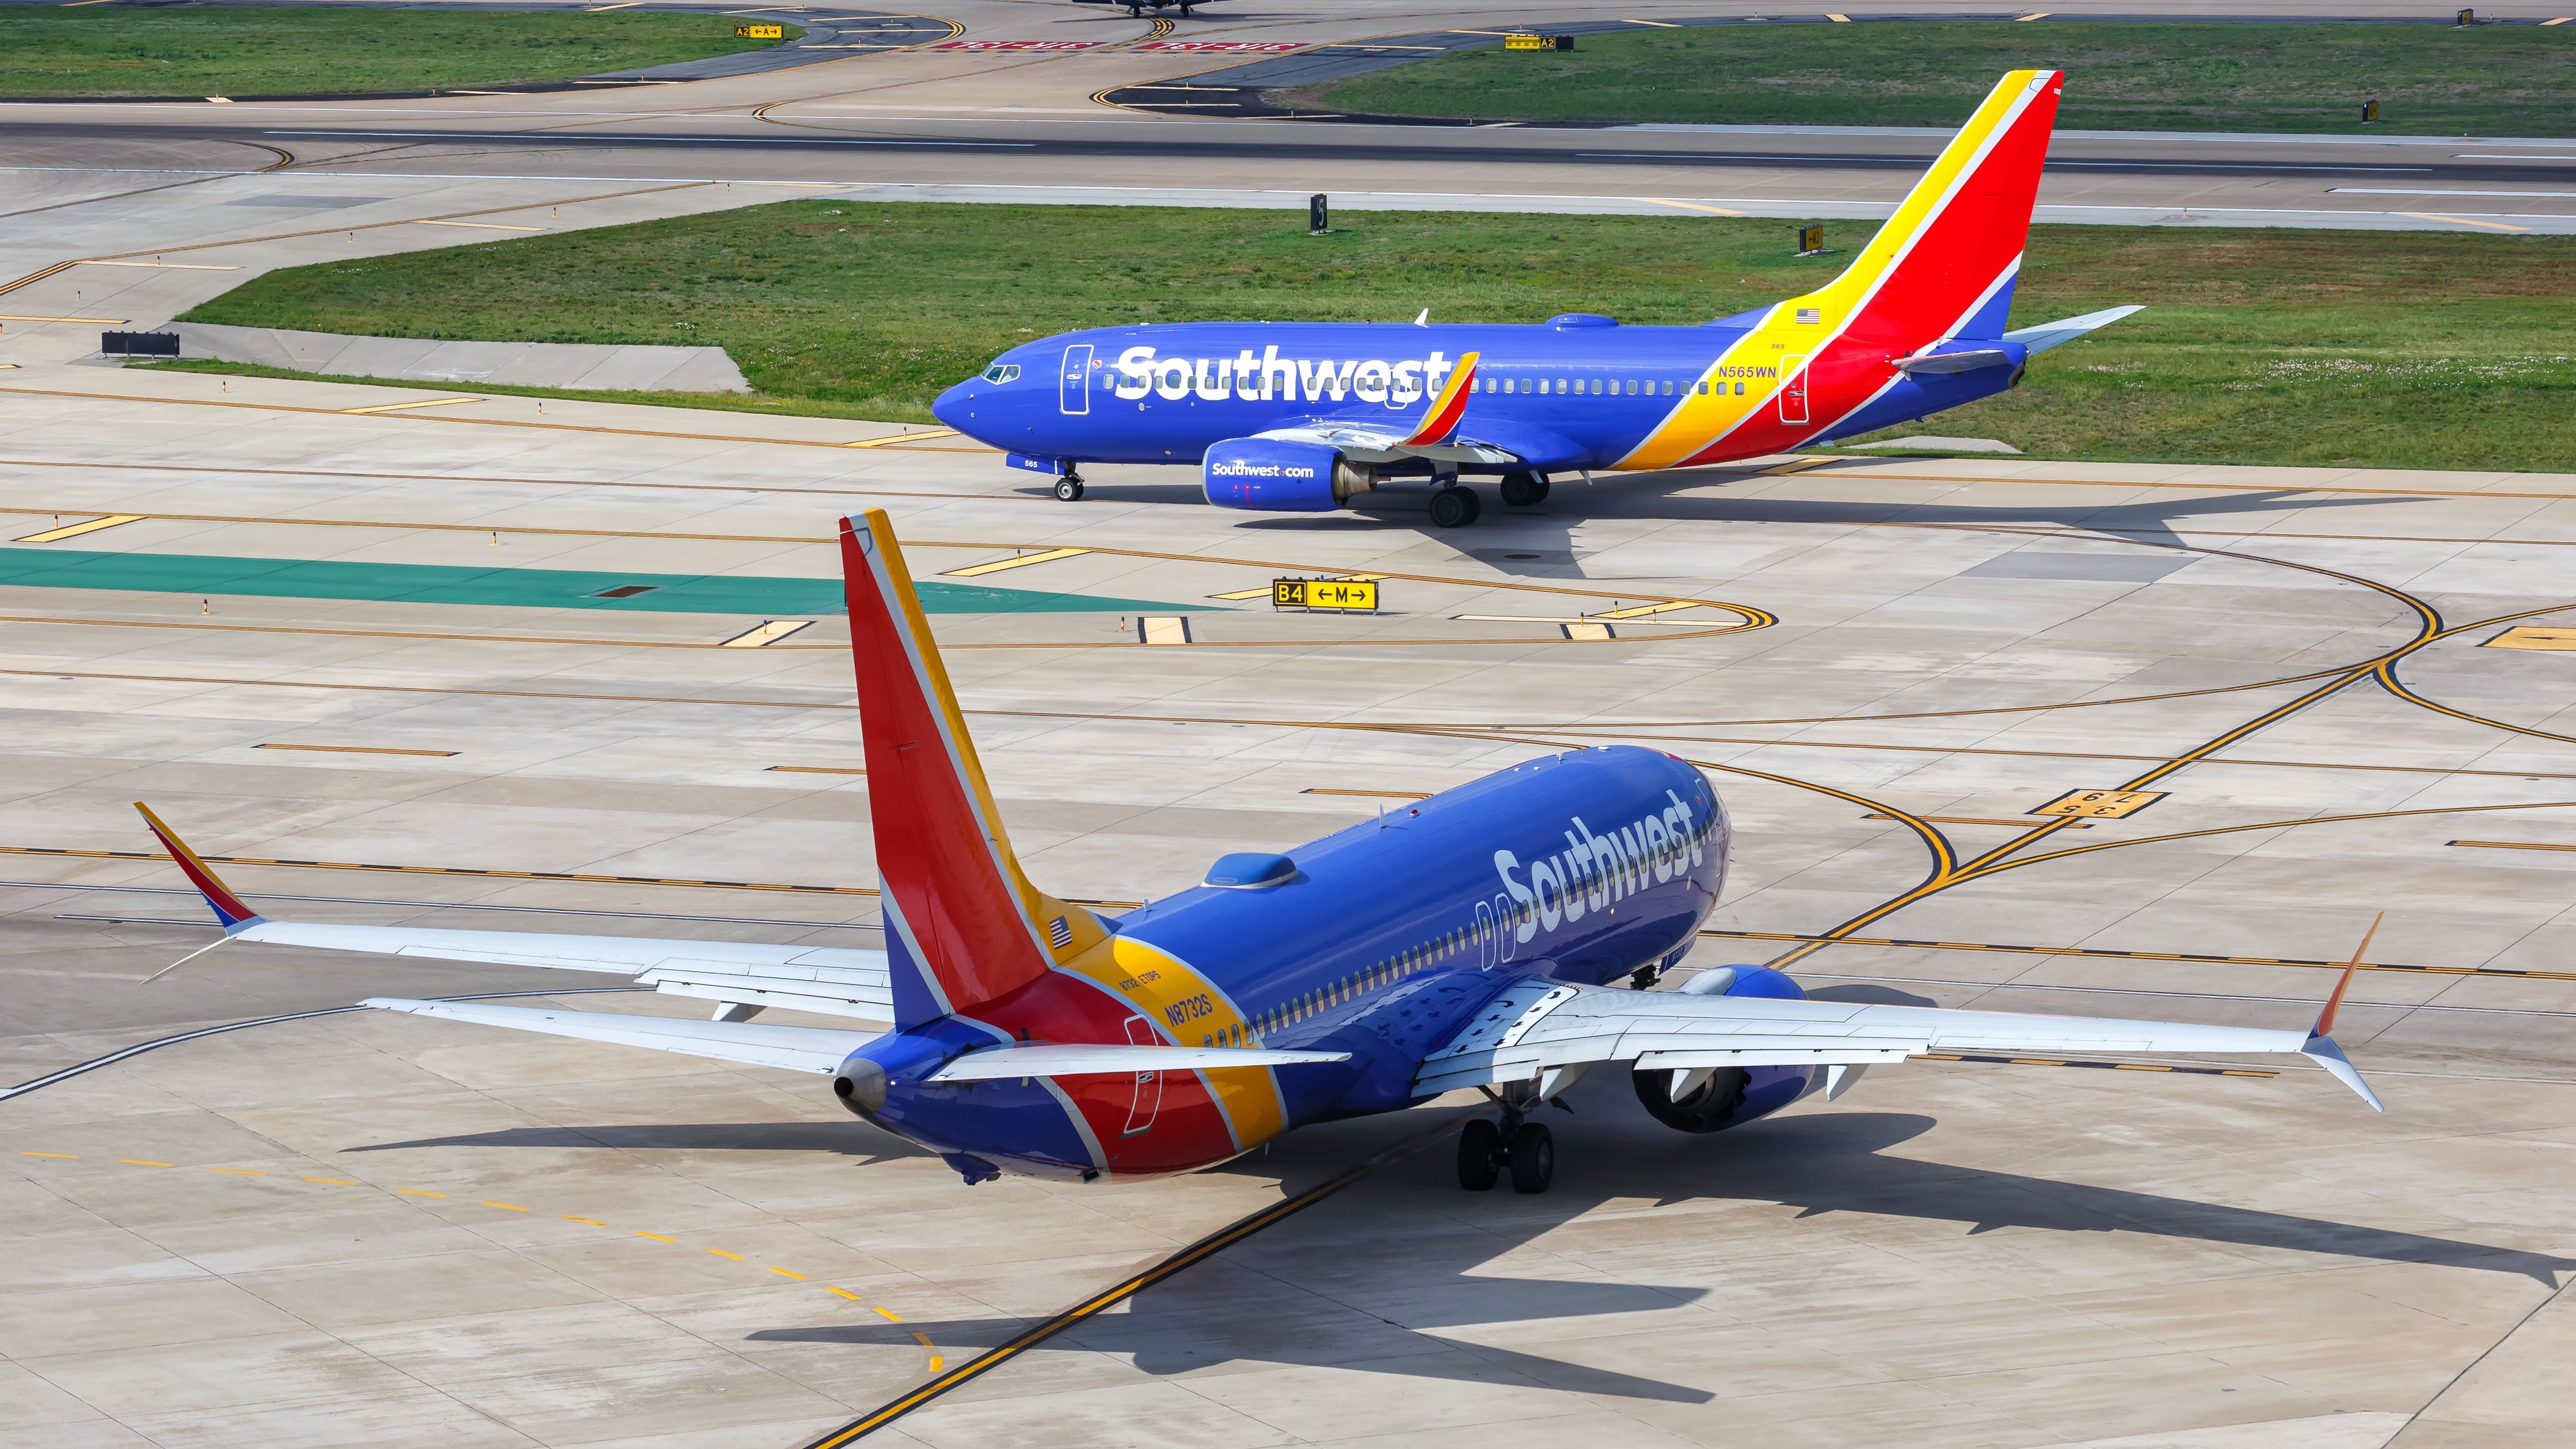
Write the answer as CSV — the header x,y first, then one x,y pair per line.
x,y
1069,488
1520,490
1455,507
1524,1149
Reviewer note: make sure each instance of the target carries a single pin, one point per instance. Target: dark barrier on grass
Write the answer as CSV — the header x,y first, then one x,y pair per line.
x,y
139,344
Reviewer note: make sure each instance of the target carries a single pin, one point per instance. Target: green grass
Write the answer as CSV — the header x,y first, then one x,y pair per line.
x,y
119,50
2429,80
2383,349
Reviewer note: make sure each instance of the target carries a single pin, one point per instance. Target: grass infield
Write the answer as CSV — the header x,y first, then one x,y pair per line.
x,y
2121,76
2378,349
121,50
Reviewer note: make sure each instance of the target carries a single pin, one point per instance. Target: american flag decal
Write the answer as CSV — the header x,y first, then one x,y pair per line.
x,y
1060,933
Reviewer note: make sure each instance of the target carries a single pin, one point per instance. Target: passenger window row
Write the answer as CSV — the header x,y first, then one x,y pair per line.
x,y
1398,967
1598,387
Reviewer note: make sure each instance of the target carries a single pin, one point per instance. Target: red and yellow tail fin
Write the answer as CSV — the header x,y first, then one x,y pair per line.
x,y
963,924
1949,255
1448,407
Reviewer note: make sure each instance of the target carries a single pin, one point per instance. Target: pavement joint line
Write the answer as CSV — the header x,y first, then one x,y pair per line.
x,y
505,1206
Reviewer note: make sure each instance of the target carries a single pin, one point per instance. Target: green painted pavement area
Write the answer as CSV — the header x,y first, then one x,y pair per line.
x,y
770,598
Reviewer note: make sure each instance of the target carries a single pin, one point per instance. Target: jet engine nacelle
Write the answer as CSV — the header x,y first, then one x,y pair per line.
x,y
1273,476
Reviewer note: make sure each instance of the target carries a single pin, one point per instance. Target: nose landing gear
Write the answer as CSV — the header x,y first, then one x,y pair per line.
x,y
1522,1148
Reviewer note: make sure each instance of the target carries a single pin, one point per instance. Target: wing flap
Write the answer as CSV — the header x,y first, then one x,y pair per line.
x,y
1538,1029
791,1048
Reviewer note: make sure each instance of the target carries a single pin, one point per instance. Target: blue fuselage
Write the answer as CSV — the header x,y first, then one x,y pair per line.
x,y
1385,941
1578,393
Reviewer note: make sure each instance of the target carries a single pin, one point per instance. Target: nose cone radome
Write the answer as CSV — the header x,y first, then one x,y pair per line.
x,y
956,408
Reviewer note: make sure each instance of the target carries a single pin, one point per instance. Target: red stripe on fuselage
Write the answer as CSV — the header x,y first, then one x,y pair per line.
x,y
1188,1130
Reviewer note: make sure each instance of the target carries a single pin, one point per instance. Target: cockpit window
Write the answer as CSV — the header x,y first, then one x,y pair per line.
x,y
1001,372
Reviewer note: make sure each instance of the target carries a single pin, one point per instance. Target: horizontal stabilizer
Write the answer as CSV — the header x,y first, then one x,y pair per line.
x,y
1964,361
793,1048
2048,334
1067,1059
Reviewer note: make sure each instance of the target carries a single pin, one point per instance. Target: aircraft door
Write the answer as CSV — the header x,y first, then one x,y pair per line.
x,y
1149,1085
1073,384
1793,393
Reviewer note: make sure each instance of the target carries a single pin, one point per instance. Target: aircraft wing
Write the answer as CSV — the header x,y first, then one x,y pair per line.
x,y
794,1048
744,976
831,980
1375,442
1541,1027
1074,1059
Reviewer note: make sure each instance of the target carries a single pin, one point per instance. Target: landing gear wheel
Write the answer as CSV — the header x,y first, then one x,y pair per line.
x,y
1069,488
1455,507
1478,1147
1533,1154
1520,490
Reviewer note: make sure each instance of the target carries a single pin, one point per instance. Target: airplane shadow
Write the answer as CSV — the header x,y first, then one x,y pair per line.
x,y
1549,529
1377,1279
853,1139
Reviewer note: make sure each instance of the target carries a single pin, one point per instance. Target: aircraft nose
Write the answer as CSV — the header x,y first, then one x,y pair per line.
x,y
955,407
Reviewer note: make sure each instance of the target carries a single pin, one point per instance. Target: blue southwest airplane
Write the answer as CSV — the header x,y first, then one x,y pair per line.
x,y
1469,942
1303,417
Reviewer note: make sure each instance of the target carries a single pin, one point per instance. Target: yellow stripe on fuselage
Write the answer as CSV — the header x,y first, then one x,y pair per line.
x,y
1700,421
1189,1010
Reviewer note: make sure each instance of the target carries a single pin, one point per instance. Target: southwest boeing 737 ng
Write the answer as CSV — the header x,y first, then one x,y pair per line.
x,y
1468,942
1304,417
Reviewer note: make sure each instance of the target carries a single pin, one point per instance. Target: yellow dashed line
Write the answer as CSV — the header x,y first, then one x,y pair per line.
x,y
657,1237
416,1192
594,1222
937,1363
239,1171
334,1181
921,1338
511,1206
844,1292
799,1277
721,1253
66,1156
144,1162
890,1315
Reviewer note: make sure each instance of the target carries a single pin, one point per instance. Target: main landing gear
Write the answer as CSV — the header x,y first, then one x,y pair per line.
x,y
1068,488
1455,507
1518,1146
1521,490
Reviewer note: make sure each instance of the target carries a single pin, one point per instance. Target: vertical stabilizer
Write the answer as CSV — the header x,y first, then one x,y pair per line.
x,y
963,924
1943,266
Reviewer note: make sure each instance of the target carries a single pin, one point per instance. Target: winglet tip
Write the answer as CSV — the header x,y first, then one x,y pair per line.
x,y
230,910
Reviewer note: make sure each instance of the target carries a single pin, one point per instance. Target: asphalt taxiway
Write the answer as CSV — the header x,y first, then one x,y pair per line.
x,y
350,1226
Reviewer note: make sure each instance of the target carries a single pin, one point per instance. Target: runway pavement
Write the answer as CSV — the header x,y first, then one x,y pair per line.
x,y
342,1228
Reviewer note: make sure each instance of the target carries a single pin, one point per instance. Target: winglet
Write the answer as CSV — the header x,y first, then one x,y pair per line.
x,y
2334,1003
228,908
2321,1046
1448,407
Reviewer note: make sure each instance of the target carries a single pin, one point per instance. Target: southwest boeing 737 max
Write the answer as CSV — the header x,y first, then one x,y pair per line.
x,y
1469,942
1303,417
